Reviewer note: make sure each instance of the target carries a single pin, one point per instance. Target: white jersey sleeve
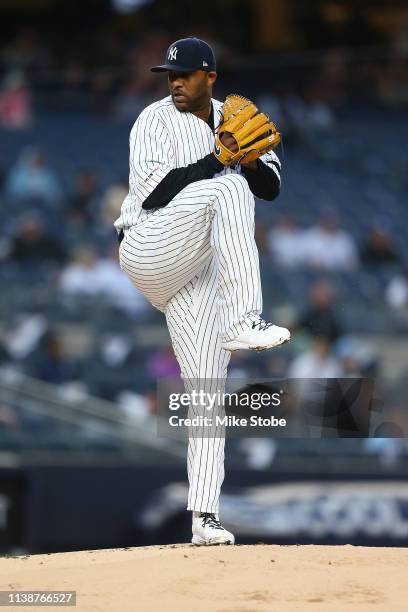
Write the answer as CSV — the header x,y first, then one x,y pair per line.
x,y
151,155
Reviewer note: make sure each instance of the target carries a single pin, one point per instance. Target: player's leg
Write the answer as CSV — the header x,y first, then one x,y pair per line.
x,y
193,324
192,320
216,216
233,242
173,244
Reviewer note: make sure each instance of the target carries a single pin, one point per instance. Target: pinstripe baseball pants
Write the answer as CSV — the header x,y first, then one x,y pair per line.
x,y
196,260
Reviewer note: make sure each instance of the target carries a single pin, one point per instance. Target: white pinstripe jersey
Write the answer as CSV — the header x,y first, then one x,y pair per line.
x,y
164,138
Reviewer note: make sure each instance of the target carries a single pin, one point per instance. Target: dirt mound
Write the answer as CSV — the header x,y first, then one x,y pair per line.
x,y
225,579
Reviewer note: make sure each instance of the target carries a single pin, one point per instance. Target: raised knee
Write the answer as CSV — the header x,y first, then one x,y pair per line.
x,y
233,180
232,188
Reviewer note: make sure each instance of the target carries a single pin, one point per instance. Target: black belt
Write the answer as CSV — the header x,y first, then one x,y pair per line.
x,y
121,236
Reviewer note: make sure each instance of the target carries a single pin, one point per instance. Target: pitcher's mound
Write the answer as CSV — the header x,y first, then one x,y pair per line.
x,y
223,578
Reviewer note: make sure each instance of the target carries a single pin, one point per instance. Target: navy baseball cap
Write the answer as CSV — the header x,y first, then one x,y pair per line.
x,y
188,55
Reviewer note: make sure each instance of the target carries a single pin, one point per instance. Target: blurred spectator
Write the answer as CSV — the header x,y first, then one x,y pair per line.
x,y
115,349
319,318
390,449
88,275
135,407
32,244
9,421
31,177
102,83
15,102
240,365
329,247
163,364
318,362
261,238
259,452
131,100
82,201
49,363
320,116
379,247
306,117
356,358
141,86
80,276
116,286
396,294
112,201
285,242
25,52
350,366
333,78
24,334
277,365
271,105
115,366
75,92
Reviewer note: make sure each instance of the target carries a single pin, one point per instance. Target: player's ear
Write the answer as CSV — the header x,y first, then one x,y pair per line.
x,y
211,77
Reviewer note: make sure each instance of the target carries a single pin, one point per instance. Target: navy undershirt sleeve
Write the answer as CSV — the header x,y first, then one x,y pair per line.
x,y
179,178
263,182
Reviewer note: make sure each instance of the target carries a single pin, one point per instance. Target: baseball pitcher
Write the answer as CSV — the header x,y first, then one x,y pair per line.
x,y
186,234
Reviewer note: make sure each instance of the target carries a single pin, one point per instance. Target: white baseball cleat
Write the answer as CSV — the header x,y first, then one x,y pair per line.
x,y
208,531
258,335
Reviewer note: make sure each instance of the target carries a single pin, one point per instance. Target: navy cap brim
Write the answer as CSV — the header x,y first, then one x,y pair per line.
x,y
172,67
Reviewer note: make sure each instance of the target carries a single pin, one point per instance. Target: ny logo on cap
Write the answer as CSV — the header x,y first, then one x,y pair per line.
x,y
172,53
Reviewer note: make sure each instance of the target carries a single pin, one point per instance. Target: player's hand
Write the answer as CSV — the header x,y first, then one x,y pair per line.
x,y
229,141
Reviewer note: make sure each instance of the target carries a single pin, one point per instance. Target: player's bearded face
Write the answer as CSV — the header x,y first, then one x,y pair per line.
x,y
190,91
